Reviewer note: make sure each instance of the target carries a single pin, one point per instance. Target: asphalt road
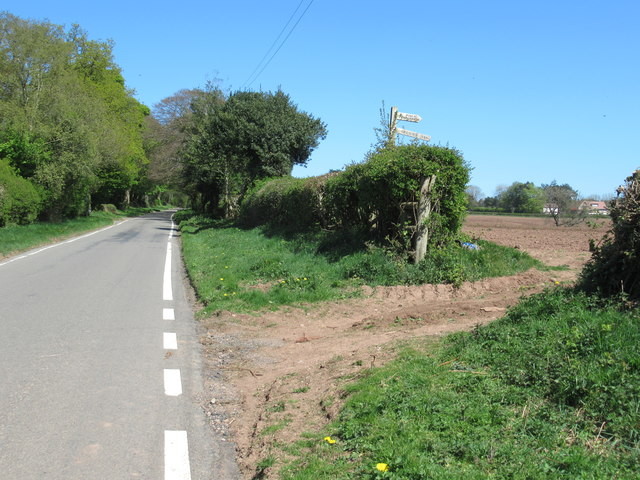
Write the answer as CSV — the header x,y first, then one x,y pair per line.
x,y
100,370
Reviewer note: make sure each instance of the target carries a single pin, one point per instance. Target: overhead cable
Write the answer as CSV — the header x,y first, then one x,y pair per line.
x,y
250,80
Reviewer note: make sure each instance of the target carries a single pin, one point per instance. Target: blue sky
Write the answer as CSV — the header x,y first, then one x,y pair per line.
x,y
527,91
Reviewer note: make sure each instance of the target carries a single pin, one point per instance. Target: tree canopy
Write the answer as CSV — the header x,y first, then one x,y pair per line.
x,y
562,202
68,124
234,140
522,198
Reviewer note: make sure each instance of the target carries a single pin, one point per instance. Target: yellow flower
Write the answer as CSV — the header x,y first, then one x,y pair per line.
x,y
329,440
226,294
383,467
557,282
221,279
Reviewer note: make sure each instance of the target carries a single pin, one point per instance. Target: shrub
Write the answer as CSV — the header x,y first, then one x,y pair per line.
x,y
20,200
379,197
383,192
285,201
615,266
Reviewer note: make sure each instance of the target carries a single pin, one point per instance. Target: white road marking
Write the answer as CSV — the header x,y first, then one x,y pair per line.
x,y
168,314
172,382
176,455
170,341
75,239
173,227
167,293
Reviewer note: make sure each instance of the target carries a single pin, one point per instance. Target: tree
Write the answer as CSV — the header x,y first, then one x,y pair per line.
x,y
67,121
234,141
561,200
164,136
474,196
522,198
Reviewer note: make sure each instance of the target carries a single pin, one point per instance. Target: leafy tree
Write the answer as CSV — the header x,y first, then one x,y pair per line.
x,y
123,116
235,141
206,173
66,116
562,202
474,196
165,134
491,202
522,198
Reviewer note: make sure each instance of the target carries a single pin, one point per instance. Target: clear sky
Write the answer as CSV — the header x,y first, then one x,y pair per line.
x,y
527,90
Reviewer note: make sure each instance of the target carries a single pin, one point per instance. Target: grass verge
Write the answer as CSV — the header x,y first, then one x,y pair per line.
x,y
16,238
551,391
246,270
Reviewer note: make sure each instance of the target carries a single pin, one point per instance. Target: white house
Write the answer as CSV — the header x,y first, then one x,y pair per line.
x,y
594,207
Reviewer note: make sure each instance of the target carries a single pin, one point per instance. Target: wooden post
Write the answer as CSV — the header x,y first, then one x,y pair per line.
x,y
393,120
424,210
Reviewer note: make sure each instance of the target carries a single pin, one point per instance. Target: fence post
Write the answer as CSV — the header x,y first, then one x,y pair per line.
x,y
424,210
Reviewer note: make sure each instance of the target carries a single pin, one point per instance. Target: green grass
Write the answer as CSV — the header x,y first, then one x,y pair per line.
x,y
16,238
247,270
551,391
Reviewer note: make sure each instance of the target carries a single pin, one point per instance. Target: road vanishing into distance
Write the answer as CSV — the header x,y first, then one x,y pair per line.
x,y
100,367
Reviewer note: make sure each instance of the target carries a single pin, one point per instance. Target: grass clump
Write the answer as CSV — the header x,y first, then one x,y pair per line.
x,y
251,269
549,391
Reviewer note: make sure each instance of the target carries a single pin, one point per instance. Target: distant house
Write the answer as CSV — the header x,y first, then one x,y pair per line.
x,y
593,207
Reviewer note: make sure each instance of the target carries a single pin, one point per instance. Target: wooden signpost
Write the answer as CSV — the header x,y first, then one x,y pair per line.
x,y
409,117
397,116
421,238
409,133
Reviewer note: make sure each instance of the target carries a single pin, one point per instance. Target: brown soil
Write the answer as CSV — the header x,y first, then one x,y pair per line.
x,y
273,376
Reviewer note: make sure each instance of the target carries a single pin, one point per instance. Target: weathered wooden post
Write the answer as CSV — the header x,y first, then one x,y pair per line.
x,y
424,205
424,211
393,120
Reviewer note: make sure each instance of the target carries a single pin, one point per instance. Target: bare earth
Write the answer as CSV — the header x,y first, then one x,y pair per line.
x,y
285,371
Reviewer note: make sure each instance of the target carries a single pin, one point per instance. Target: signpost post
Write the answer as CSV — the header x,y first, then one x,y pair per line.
x,y
424,203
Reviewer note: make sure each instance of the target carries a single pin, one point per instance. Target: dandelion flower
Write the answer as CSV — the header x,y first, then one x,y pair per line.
x,y
221,279
329,440
226,294
383,467
557,282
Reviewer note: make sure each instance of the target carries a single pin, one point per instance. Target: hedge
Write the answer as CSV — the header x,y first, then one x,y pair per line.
x,y
379,196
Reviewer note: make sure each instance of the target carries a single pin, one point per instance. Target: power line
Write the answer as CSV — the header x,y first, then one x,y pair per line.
x,y
249,83
274,42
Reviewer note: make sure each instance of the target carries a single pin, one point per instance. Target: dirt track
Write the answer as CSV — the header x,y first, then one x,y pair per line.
x,y
287,368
